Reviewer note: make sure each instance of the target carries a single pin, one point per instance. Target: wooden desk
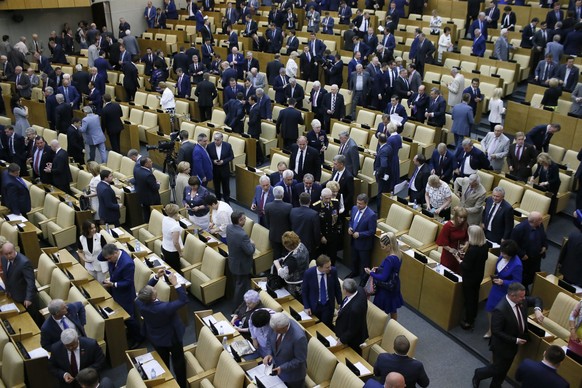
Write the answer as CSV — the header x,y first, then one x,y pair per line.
x,y
199,323
97,293
80,274
115,332
354,357
164,380
298,307
36,370
441,299
411,279
23,326
548,289
246,182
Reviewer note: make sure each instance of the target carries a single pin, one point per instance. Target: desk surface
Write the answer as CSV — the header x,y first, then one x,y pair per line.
x,y
25,323
97,293
354,357
118,311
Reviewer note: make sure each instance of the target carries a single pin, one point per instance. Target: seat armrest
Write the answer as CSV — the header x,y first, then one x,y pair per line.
x,y
189,268
135,229
194,381
47,221
43,288
427,247
152,239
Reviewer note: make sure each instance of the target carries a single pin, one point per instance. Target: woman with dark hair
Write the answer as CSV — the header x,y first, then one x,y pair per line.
x,y
292,267
20,115
507,270
89,245
194,196
220,213
473,266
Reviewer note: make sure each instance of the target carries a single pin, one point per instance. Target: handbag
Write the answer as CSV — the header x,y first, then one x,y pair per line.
x,y
390,284
84,203
370,287
275,282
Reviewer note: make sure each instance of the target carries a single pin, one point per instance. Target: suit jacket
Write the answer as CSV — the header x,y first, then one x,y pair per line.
x,y
477,161
161,323
399,110
522,167
311,162
351,153
226,155
472,201
299,188
462,115
420,182
241,250
474,95
229,94
15,194
206,93
288,123
91,128
235,114
444,170
537,374
111,118
109,209
63,117
122,273
424,52
340,107
347,189
552,18
366,228
438,109
500,151
401,87
81,81
19,279
478,47
298,94
310,288
502,223
274,40
202,165
412,369
61,172
50,332
538,138
366,83
350,326
91,356
72,96
131,78
527,36
418,104
572,81
291,354
183,89
277,219
257,199
305,222
146,186
521,234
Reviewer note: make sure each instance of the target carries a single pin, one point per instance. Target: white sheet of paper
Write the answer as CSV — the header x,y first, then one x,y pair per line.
x,y
224,327
9,307
396,119
332,340
494,245
186,221
263,285
304,316
281,293
410,252
401,186
118,231
153,369
209,319
363,370
144,358
17,217
263,373
38,353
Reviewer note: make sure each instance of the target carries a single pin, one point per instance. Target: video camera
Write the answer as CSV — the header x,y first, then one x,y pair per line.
x,y
165,145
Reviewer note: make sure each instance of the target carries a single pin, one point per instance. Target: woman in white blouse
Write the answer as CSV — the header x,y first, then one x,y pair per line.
x,y
94,169
171,237
291,68
89,245
445,43
219,216
438,197
496,108
435,23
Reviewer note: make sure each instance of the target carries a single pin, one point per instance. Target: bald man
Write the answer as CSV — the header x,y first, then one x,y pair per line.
x,y
532,241
393,380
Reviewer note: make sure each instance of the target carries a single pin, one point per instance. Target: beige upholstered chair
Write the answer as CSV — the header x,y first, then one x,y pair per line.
x,y
203,357
141,275
557,321
533,201
421,235
12,367
58,288
149,123
193,251
398,220
320,364
125,169
486,282
95,326
228,374
62,232
263,256
393,330
343,377
47,212
376,320
134,380
424,137
268,301
369,184
513,191
207,277
45,270
113,160
152,232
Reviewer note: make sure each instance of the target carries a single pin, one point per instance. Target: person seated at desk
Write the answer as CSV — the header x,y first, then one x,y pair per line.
x,y
63,316
242,314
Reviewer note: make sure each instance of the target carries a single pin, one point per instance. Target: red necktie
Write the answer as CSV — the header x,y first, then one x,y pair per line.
x,y
74,367
261,204
278,342
519,319
518,152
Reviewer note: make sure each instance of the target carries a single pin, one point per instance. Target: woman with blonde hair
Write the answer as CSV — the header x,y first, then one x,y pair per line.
x,y
435,23
452,239
473,265
91,192
438,197
386,277
552,94
292,267
496,108
171,237
291,67
182,180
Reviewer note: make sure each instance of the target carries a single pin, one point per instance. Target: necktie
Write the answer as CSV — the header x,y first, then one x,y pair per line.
x,y
440,162
37,157
322,290
414,175
341,151
261,204
64,323
74,367
9,267
518,152
12,145
392,110
18,79
336,176
332,103
519,319
180,84
357,219
491,214
300,167
308,57
278,342
315,99
463,163
289,193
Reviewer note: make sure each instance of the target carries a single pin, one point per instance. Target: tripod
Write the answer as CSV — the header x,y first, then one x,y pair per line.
x,y
170,169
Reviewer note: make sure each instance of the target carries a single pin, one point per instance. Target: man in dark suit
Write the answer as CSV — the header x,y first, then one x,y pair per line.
x,y
382,165
334,106
70,93
279,83
345,179
442,163
240,259
528,33
81,80
131,79
395,107
568,75
541,135
277,220
470,159
235,113
183,84
263,195
89,378
362,228
350,326
419,179
201,162
273,68
109,208
146,186
475,94
349,149
206,93
207,52
14,143
19,279
75,142
180,60
63,316
539,41
59,168
532,241
569,259
277,176
305,222
288,347
334,73
148,61
121,286
321,290
509,331
287,183
254,124
73,353
111,122
316,98
94,99
42,155
418,102
497,217
521,157
435,112
50,101
554,16
293,42
162,324
63,114
309,186
424,53
295,91
304,160
196,70
274,39
288,124
544,373
15,194
399,361
221,154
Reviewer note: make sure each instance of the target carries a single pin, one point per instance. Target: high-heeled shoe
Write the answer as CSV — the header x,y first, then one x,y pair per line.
x,y
487,336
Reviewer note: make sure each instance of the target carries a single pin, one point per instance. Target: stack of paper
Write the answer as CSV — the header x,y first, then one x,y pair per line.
x,y
38,353
208,320
224,327
260,371
8,307
16,217
363,370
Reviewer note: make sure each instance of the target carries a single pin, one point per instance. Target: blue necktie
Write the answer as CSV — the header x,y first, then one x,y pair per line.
x,y
65,326
322,290
358,216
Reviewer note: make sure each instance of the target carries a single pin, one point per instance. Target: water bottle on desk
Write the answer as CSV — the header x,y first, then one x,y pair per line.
x,y
137,246
225,343
153,373
107,228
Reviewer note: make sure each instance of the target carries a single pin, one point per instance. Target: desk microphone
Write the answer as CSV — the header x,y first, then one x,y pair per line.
x,y
19,334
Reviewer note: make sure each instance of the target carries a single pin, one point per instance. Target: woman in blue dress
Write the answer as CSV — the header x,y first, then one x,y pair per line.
x,y
507,270
395,142
194,201
388,299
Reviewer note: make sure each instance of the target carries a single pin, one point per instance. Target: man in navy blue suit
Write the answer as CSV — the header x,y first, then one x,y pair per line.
x,y
305,222
470,159
321,290
70,93
479,24
308,186
183,84
15,194
381,165
288,124
497,220
202,167
235,59
109,209
235,113
531,238
287,183
478,48
279,84
544,373
230,92
263,196
227,74
442,163
85,351
264,103
362,228
63,316
121,286
162,324
475,94
94,99
395,107
399,361
435,113
541,135
146,186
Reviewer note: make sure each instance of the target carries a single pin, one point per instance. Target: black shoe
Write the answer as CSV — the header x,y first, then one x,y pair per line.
x,y
475,381
466,326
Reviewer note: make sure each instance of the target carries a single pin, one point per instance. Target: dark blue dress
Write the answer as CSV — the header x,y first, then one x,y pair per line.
x,y
510,274
394,141
388,301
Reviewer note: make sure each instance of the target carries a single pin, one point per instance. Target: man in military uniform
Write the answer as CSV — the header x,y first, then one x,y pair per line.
x,y
330,224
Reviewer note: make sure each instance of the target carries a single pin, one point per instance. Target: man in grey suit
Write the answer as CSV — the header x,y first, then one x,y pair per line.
x,y
257,79
472,195
305,222
414,77
278,221
349,149
462,115
576,108
288,350
240,259
359,87
502,47
22,81
94,137
130,43
496,145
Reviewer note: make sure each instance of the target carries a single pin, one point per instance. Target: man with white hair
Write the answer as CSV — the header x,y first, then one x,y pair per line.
x,y
287,184
256,78
70,92
130,43
81,79
478,48
263,195
359,87
73,353
264,103
94,137
333,106
317,139
63,316
496,147
456,87
59,168
23,86
497,219
21,45
328,209
502,47
295,91
472,195
288,352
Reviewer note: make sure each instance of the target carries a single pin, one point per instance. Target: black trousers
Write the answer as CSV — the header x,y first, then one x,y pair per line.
x,y
471,294
360,260
176,352
172,259
222,182
205,113
114,139
579,195
325,312
498,369
530,267
130,94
